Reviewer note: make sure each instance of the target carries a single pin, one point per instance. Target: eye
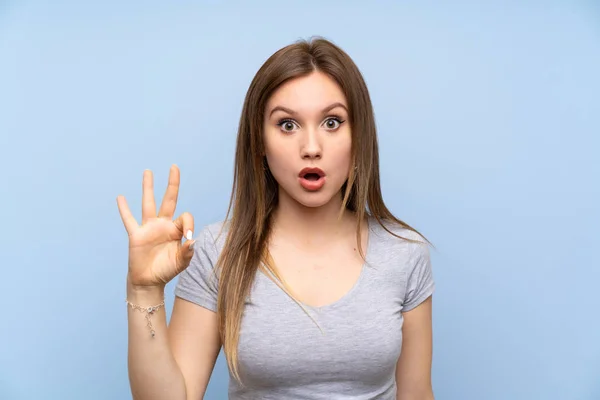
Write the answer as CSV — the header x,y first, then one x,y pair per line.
x,y
287,125
333,123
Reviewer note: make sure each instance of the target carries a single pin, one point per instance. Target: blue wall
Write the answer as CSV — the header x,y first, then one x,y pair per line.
x,y
489,123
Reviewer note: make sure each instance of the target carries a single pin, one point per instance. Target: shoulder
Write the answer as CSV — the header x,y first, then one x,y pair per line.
x,y
396,235
398,245
209,243
403,256
198,283
212,236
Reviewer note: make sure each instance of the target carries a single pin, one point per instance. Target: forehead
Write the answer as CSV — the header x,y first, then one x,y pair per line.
x,y
307,93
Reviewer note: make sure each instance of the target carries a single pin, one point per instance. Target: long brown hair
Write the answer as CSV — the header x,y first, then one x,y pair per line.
x,y
254,195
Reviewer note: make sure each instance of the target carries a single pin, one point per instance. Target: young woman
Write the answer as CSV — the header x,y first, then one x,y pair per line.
x,y
310,284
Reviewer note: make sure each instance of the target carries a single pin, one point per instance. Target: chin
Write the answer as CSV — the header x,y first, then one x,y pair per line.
x,y
314,199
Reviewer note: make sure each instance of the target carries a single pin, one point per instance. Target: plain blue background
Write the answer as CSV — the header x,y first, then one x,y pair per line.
x,y
488,117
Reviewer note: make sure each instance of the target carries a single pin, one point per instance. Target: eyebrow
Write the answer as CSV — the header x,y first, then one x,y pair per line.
x,y
292,112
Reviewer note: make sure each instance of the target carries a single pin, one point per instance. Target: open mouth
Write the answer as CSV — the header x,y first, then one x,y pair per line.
x,y
312,176
312,179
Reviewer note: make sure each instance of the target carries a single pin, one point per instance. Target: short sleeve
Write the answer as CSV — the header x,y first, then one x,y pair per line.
x,y
420,284
198,283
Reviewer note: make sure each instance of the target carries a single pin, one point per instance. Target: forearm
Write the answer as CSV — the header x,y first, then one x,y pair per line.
x,y
422,395
153,371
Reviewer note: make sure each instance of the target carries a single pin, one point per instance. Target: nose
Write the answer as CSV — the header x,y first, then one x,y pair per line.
x,y
311,148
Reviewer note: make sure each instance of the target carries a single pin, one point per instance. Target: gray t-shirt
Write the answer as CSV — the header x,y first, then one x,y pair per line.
x,y
351,353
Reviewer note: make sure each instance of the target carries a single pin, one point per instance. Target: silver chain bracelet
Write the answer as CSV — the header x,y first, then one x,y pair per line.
x,y
149,311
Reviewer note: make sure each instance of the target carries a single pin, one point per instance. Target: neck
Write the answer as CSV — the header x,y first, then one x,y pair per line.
x,y
316,223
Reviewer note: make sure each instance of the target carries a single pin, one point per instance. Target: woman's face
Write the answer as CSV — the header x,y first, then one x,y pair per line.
x,y
308,139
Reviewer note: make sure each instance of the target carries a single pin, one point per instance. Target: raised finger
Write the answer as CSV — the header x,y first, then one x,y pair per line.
x,y
126,216
148,205
169,202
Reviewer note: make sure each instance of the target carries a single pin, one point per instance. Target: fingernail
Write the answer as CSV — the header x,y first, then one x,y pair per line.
x,y
192,245
189,235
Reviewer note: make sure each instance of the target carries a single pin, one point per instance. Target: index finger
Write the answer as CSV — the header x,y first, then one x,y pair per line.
x,y
169,202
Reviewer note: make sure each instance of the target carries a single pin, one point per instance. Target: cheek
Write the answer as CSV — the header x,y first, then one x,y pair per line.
x,y
276,154
343,153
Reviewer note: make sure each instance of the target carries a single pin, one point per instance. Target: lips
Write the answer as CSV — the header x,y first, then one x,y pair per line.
x,y
311,173
312,179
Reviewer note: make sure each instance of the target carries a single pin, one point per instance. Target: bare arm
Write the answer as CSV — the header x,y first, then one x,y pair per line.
x,y
153,371
413,371
177,362
195,342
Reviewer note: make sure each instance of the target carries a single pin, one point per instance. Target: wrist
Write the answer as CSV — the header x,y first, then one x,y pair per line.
x,y
144,295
